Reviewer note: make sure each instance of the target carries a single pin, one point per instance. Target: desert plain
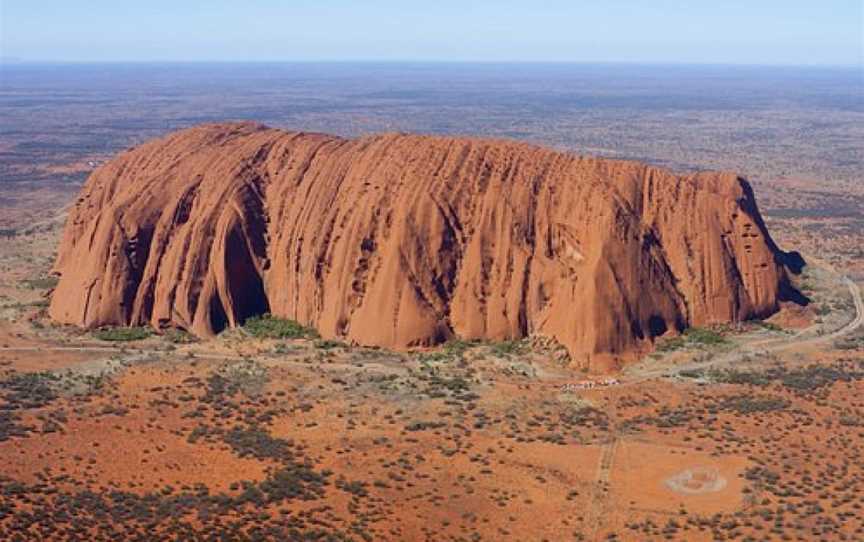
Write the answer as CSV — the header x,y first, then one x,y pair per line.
x,y
751,431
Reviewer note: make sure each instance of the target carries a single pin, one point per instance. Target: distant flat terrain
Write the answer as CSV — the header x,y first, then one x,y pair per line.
x,y
746,432
794,132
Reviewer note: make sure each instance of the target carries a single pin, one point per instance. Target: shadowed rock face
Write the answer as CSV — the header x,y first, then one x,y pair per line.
x,y
404,240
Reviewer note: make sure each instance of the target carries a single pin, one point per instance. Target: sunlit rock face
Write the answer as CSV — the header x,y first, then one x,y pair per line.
x,y
406,240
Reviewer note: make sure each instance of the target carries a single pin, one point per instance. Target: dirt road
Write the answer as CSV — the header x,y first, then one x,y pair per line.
x,y
798,341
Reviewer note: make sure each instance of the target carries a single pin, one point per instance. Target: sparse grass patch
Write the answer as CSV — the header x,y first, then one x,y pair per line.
x,y
583,415
768,326
817,376
667,417
823,309
509,348
29,390
671,344
746,404
325,344
248,377
40,283
283,349
853,342
21,392
449,351
440,386
179,336
732,376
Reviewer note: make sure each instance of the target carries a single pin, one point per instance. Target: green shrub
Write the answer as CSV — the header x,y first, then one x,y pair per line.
x,y
703,336
272,327
122,334
695,336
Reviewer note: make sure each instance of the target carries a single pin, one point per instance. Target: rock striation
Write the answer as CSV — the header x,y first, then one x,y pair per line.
x,y
407,240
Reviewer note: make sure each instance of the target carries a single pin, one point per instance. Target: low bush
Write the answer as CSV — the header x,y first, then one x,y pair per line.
x,y
424,426
704,337
268,326
122,334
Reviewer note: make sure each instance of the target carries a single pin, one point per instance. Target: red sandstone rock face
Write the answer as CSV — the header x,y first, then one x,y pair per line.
x,y
403,240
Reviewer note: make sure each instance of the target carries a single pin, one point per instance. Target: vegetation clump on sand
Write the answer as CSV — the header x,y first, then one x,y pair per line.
x,y
29,390
746,404
255,441
424,425
452,350
22,392
582,416
247,376
297,481
704,337
122,334
268,326
801,380
696,337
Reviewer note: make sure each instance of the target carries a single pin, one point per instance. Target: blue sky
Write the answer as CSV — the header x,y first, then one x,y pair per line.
x,y
699,31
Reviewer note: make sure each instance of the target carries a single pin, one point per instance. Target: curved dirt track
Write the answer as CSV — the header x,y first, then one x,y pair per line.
x,y
766,346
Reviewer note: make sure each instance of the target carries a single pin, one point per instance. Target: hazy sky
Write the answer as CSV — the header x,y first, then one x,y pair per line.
x,y
696,31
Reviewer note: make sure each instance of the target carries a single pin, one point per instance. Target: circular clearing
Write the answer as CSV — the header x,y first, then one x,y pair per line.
x,y
696,480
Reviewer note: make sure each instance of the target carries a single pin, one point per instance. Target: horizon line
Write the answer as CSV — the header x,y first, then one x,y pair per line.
x,y
19,61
